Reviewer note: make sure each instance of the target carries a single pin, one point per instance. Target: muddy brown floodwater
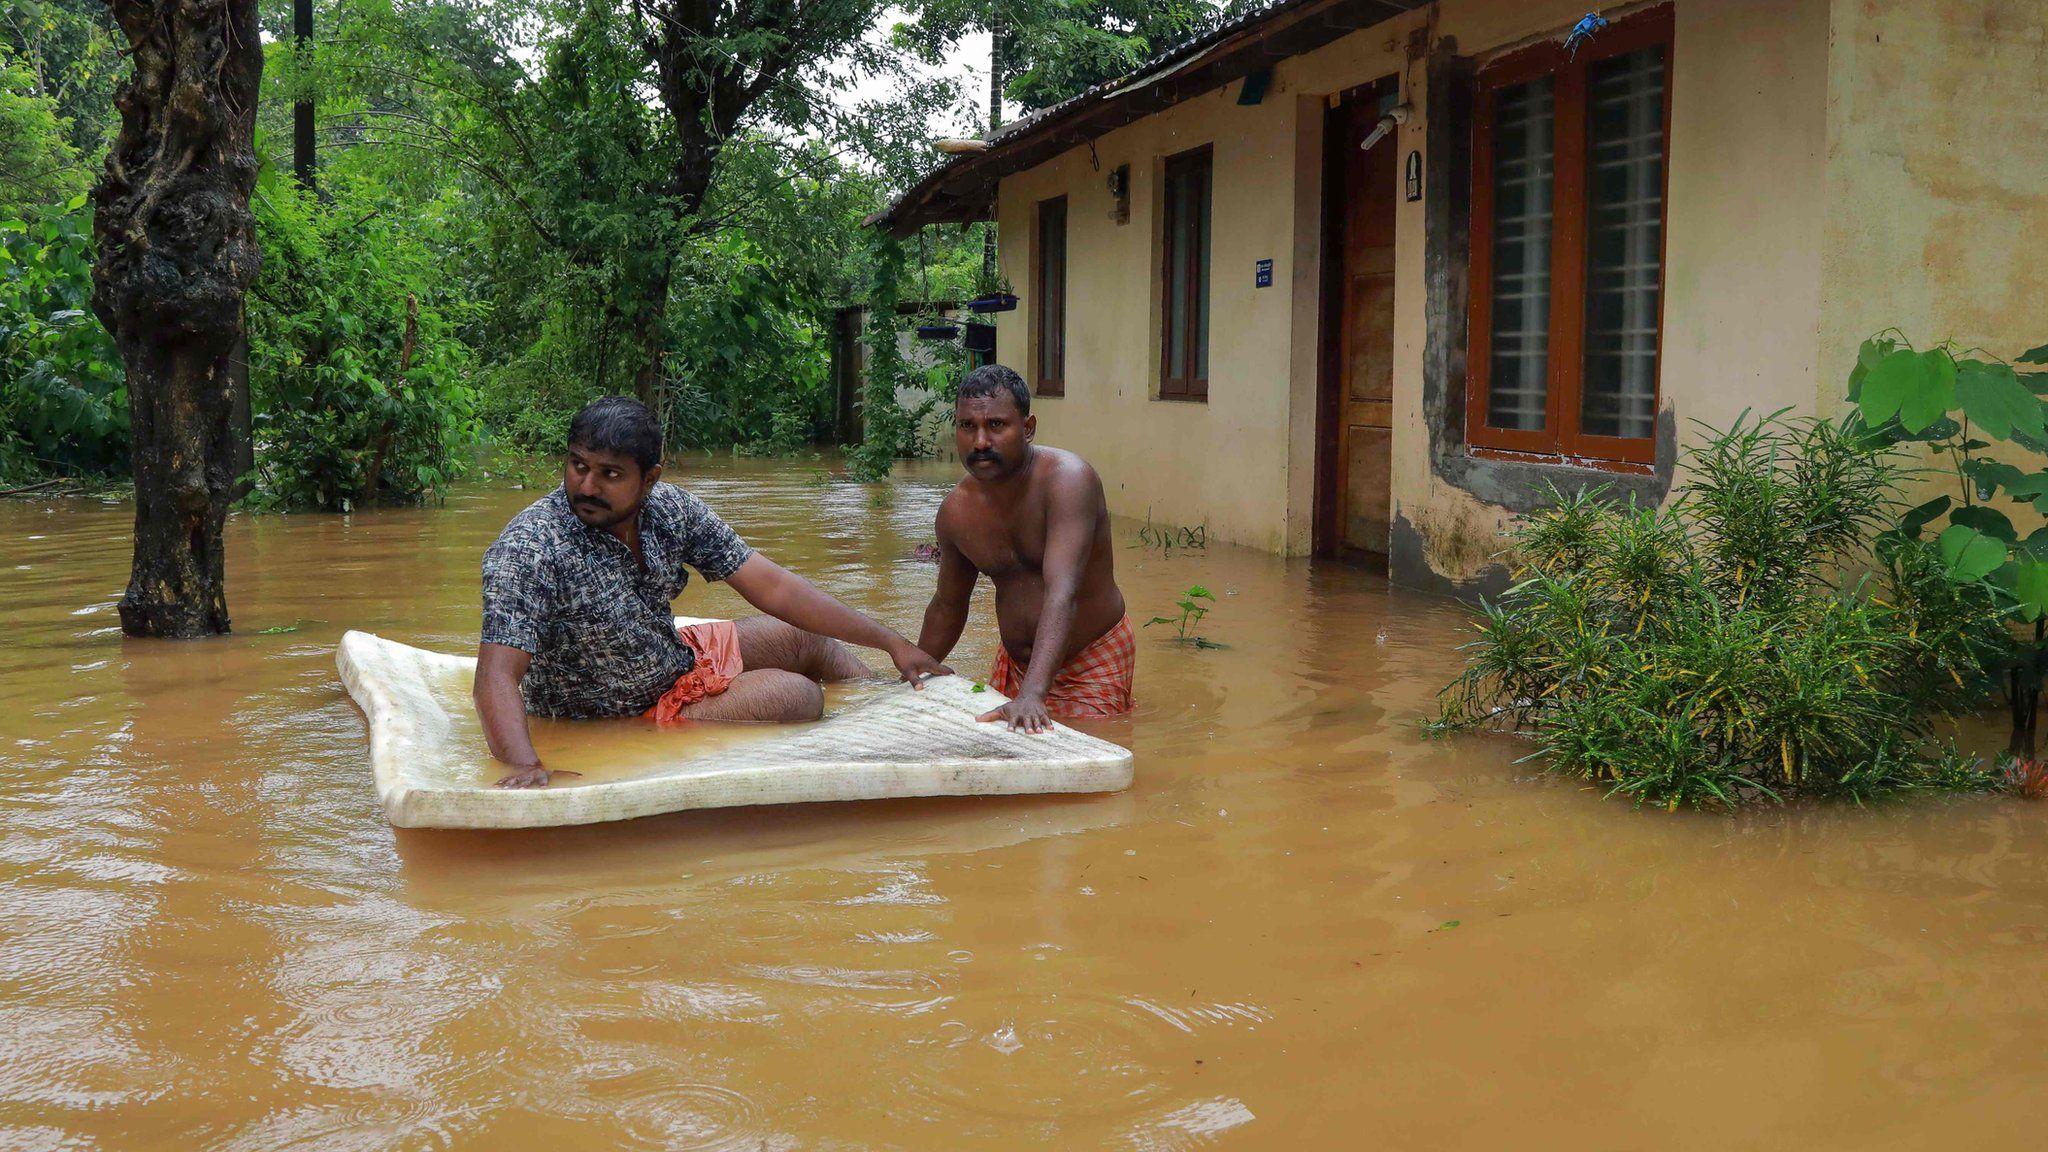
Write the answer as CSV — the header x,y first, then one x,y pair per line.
x,y
1303,926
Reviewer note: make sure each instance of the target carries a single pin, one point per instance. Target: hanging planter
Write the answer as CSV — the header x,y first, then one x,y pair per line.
x,y
993,302
937,331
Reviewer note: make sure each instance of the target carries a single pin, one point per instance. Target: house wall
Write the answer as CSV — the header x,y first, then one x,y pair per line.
x,y
1937,179
1749,142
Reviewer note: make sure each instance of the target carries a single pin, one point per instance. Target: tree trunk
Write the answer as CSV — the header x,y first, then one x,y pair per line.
x,y
304,156
177,250
647,341
649,309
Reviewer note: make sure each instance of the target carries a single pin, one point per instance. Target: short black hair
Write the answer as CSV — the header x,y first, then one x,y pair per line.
x,y
994,379
620,425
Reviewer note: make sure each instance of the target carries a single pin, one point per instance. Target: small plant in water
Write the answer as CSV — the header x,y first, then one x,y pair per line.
x,y
1191,613
2028,777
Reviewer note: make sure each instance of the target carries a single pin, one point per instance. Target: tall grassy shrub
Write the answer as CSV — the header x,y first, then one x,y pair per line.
x,y
1761,636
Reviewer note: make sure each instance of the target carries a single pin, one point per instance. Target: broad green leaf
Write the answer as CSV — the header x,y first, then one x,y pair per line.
x,y
1932,433
2030,587
2035,546
1991,475
1994,399
1989,521
1873,351
1968,554
2035,355
1935,393
2028,486
1887,383
1916,519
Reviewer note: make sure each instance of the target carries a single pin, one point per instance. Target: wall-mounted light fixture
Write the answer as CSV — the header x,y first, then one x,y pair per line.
x,y
1396,115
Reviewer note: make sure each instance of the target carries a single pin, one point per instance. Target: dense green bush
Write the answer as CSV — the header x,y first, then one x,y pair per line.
x,y
63,403
342,419
1714,651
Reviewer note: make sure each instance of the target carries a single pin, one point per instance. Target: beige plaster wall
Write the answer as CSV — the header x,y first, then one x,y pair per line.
x,y
1224,461
1937,178
1743,269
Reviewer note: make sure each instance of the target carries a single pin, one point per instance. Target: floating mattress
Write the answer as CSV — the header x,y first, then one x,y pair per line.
x,y
433,769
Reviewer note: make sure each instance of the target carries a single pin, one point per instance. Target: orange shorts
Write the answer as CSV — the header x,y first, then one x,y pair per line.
x,y
1096,682
717,645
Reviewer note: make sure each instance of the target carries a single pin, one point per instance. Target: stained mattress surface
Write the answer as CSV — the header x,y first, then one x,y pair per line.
x,y
433,770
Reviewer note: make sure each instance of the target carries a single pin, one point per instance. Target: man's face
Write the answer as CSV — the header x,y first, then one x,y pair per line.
x,y
991,436
605,489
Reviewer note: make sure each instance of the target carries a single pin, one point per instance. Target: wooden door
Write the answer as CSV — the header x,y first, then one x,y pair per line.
x,y
1355,435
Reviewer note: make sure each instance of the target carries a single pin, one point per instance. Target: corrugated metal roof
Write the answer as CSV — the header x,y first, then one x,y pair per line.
x,y
963,188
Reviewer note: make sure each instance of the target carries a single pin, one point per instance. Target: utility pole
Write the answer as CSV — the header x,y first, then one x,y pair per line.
x,y
302,109
995,121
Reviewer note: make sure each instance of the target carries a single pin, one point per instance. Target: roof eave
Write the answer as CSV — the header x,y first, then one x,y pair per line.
x,y
963,189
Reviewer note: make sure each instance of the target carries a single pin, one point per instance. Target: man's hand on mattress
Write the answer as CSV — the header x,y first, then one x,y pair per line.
x,y
914,666
531,776
1024,714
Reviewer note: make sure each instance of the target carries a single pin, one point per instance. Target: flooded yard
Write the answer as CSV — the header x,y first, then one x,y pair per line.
x,y
1305,925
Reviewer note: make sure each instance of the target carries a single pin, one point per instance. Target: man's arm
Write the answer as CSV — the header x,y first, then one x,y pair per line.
x,y
946,615
1069,531
794,600
499,669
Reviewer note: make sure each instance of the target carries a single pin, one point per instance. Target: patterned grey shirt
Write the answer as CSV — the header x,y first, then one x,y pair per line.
x,y
598,624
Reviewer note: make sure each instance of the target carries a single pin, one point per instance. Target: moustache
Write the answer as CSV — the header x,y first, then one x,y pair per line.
x,y
984,458
592,502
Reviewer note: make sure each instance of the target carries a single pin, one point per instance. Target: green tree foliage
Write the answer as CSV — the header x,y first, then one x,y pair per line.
x,y
512,168
1709,653
72,52
361,383
599,264
63,405
38,164
1053,50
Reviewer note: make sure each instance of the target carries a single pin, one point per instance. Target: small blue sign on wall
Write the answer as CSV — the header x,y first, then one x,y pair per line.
x,y
1263,277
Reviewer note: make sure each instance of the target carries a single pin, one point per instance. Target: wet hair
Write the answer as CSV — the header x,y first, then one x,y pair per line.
x,y
620,425
994,380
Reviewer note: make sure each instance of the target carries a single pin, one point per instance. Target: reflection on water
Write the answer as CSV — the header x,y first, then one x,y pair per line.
x,y
209,938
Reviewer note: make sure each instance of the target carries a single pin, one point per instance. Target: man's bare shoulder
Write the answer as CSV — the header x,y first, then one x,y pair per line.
x,y
953,508
1067,470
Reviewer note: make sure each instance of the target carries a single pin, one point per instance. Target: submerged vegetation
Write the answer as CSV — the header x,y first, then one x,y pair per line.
x,y
1192,611
1768,633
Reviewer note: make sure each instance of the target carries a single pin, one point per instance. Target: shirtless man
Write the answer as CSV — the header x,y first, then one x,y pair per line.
x,y
1035,521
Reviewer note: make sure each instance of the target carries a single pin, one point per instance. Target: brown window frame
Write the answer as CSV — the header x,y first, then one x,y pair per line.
x,y
1565,371
1190,386
1049,301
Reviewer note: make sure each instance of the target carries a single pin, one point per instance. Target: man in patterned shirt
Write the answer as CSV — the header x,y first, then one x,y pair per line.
x,y
577,620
